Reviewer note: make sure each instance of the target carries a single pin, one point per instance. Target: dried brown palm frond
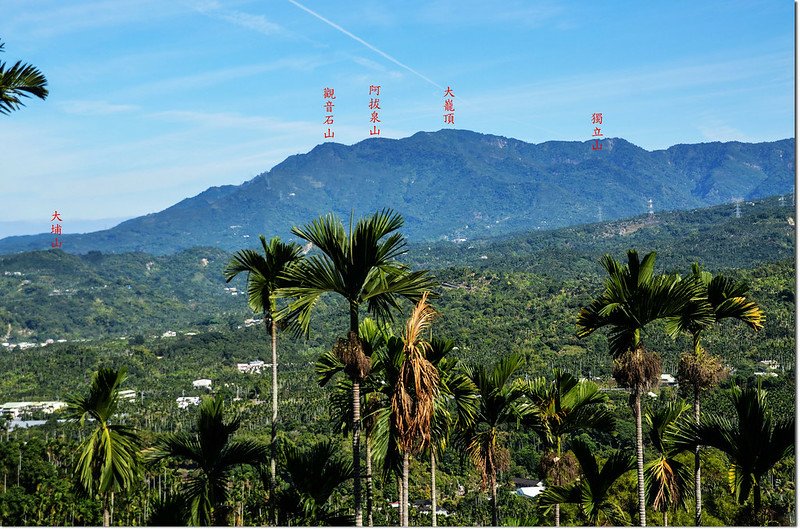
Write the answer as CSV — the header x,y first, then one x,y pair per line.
x,y
668,484
418,383
637,369
488,454
700,370
559,470
353,352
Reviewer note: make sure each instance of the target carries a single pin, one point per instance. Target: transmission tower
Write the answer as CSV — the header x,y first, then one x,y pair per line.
x,y
650,212
599,213
738,202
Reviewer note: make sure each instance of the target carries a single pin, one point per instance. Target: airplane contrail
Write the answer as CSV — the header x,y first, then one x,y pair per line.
x,y
365,43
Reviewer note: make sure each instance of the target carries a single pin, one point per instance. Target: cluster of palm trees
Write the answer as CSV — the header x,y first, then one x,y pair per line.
x,y
633,297
410,397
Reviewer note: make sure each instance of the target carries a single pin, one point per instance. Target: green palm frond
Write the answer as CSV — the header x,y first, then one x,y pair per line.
x,y
109,459
662,423
634,297
719,297
564,405
326,366
591,491
18,82
265,272
482,427
754,442
359,264
312,473
317,470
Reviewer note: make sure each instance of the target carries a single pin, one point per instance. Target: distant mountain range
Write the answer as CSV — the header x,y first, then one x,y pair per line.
x,y
453,184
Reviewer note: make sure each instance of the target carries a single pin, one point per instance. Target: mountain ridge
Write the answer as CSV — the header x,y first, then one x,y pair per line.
x,y
452,184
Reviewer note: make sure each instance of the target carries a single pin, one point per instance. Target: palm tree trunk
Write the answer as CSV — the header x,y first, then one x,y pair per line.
x,y
558,480
698,502
433,487
665,519
757,501
106,514
495,517
405,487
357,452
274,433
369,480
356,428
637,412
401,510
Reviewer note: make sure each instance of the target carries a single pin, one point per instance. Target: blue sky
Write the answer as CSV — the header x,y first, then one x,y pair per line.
x,y
155,101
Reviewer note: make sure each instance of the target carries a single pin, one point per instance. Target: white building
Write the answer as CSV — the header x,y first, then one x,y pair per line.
x,y
765,374
169,334
128,394
529,488
185,402
204,383
770,364
252,367
15,409
668,380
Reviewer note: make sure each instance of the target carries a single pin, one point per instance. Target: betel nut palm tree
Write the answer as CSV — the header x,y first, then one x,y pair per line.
x,y
699,370
457,398
374,396
264,277
633,297
415,391
564,406
211,453
666,477
360,265
500,406
109,458
754,441
591,491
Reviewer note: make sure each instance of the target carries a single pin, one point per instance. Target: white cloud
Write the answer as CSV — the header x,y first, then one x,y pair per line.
x,y
95,108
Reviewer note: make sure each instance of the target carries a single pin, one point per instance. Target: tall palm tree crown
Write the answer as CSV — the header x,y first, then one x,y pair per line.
x,y
634,296
264,272
109,457
360,265
19,81
563,406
